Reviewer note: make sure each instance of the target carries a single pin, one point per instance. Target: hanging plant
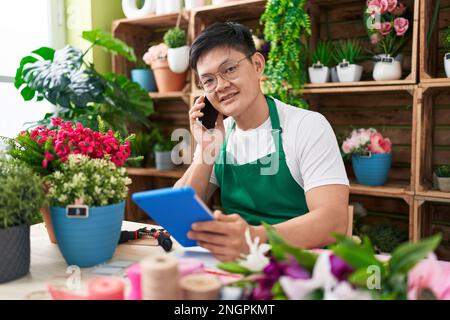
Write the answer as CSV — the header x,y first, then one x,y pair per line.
x,y
287,26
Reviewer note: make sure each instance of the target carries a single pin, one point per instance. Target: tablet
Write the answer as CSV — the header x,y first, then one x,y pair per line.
x,y
175,209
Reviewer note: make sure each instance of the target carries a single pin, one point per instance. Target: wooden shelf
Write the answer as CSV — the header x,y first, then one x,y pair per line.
x,y
360,84
153,172
155,21
392,190
168,95
361,88
241,5
433,195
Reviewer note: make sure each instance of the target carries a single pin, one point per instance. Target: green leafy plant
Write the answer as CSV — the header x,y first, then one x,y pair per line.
x,y
385,237
323,54
21,194
175,38
349,50
286,27
446,41
78,91
142,144
94,182
164,143
443,171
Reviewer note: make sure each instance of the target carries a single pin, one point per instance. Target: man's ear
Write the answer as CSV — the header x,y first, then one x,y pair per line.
x,y
259,62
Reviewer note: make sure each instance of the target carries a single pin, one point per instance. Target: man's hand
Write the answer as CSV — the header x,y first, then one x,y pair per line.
x,y
224,237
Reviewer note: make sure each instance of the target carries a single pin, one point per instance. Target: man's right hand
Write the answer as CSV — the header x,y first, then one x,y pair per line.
x,y
210,140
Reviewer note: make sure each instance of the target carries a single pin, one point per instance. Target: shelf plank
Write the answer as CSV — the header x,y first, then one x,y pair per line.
x,y
156,21
225,6
153,172
433,195
359,84
346,89
167,95
392,190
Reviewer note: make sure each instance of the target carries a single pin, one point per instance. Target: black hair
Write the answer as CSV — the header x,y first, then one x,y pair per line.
x,y
222,34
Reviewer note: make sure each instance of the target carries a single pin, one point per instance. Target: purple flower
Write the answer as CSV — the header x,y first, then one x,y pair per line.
x,y
273,270
292,269
339,268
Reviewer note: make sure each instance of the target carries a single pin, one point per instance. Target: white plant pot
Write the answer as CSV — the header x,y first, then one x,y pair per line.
x,y
334,75
192,4
447,64
349,72
167,6
387,69
443,184
131,10
178,59
319,74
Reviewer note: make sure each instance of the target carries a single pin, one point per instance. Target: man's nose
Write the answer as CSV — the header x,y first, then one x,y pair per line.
x,y
222,83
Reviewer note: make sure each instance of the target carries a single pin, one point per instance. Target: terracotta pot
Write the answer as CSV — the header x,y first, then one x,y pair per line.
x,y
45,211
166,80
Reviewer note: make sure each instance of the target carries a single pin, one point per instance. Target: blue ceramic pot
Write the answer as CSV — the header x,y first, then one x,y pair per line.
x,y
86,242
145,79
372,170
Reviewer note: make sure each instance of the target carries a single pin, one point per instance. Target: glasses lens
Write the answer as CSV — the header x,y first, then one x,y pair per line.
x,y
208,84
229,70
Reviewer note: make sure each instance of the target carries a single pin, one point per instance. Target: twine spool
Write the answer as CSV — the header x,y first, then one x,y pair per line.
x,y
200,286
189,266
106,288
159,278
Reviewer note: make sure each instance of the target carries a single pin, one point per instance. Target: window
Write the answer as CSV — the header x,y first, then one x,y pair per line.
x,y
25,26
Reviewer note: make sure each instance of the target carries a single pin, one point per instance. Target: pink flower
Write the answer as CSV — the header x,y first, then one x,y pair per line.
x,y
392,4
432,275
401,8
375,38
381,4
378,144
385,28
401,25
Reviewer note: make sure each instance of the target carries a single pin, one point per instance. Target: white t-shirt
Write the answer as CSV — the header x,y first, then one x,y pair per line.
x,y
309,143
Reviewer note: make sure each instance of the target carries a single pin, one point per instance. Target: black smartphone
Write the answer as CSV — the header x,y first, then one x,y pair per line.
x,y
209,115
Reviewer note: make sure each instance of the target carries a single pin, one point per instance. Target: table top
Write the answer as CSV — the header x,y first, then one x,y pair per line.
x,y
49,267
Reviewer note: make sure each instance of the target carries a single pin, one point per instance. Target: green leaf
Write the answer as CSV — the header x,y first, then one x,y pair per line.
x,y
407,255
107,41
233,267
359,277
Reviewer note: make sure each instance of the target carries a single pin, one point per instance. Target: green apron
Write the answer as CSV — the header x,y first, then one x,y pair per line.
x,y
270,198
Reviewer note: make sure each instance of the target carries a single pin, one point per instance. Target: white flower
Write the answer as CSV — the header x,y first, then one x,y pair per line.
x,y
256,260
322,278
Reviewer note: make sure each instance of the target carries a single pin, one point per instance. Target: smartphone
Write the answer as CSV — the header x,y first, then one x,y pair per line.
x,y
209,115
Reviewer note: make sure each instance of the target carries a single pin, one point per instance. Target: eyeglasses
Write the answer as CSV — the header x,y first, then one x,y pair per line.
x,y
228,70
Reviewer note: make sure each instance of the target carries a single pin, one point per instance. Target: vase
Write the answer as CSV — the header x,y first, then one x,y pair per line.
x,y
387,68
167,6
334,75
163,160
14,252
447,64
130,9
319,73
166,80
88,241
349,72
178,59
372,170
145,78
442,183
46,216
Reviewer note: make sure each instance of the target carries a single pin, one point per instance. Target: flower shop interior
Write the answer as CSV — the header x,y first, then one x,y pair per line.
x,y
96,96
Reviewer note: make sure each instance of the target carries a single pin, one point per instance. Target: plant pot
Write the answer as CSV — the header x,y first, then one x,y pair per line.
x,y
447,64
87,242
167,6
334,75
46,216
319,74
192,4
178,59
387,69
145,78
14,252
222,1
349,72
166,80
131,10
163,160
372,170
442,183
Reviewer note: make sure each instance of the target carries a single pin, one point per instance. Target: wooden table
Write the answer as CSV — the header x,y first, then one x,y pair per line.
x,y
48,265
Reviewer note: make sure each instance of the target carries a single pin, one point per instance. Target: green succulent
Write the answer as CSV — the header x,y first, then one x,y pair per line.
x,y
447,38
142,144
349,50
443,171
21,194
323,53
164,143
175,38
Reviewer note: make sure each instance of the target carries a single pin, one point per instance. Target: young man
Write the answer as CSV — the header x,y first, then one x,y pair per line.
x,y
295,180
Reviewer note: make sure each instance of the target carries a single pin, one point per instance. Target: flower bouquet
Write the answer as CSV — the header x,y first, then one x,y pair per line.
x,y
387,26
371,156
348,271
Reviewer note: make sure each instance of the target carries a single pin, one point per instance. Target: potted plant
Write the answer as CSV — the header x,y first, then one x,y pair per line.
x,y
347,53
142,145
21,197
143,76
166,79
163,153
388,29
321,59
45,150
87,202
442,178
447,54
131,10
178,52
371,156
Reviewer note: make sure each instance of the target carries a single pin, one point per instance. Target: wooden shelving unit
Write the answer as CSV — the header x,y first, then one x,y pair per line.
x,y
410,111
